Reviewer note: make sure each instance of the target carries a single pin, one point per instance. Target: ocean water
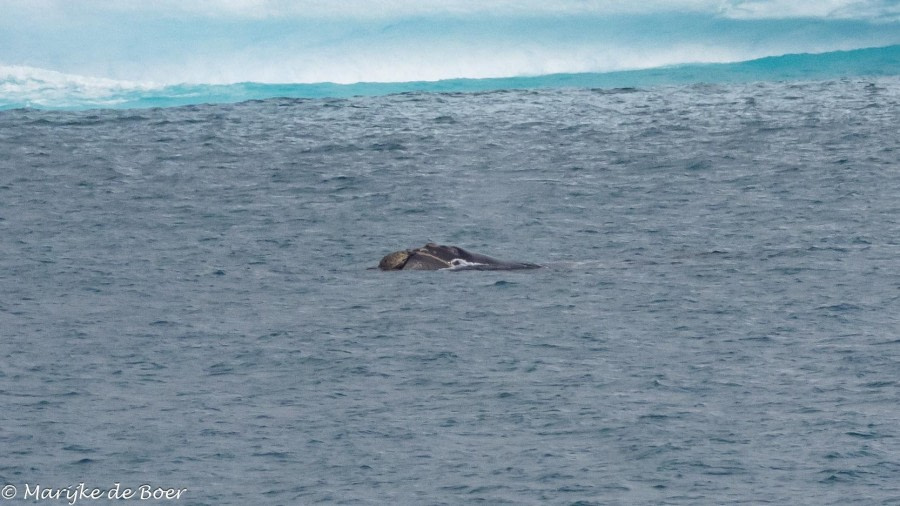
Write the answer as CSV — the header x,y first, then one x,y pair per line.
x,y
187,299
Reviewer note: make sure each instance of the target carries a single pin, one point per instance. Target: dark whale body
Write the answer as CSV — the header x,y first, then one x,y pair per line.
x,y
433,256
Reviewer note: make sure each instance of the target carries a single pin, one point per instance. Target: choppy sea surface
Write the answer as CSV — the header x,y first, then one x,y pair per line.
x,y
186,298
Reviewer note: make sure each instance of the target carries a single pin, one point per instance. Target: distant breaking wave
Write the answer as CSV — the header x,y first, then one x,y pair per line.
x,y
22,87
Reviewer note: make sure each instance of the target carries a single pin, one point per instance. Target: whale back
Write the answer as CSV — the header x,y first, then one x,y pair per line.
x,y
476,258
438,256
475,261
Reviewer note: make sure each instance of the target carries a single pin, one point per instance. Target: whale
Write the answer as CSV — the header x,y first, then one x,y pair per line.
x,y
432,257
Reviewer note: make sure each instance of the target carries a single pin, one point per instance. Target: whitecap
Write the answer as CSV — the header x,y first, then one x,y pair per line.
x,y
36,87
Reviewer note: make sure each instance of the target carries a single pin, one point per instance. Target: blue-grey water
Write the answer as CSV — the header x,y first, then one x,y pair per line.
x,y
186,298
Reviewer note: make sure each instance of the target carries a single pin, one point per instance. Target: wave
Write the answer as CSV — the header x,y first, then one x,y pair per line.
x,y
26,87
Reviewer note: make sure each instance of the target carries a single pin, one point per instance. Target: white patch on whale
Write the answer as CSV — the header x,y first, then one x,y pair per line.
x,y
460,263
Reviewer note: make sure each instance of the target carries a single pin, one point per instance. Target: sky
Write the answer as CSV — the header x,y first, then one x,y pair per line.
x,y
307,41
